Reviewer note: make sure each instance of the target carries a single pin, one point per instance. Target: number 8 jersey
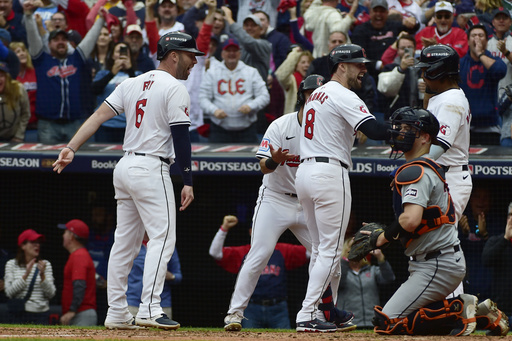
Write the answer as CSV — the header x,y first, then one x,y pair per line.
x,y
332,115
148,110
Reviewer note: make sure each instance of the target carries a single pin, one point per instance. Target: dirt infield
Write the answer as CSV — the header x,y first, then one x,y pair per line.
x,y
213,335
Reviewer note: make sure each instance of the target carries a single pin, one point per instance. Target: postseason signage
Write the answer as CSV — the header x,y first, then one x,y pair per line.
x,y
230,160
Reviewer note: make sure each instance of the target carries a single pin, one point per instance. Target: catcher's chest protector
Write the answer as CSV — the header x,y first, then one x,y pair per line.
x,y
433,216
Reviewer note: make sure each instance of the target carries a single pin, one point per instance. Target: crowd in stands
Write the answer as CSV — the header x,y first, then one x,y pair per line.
x,y
60,59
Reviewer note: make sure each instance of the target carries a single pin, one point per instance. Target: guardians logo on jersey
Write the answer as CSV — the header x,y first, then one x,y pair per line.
x,y
62,72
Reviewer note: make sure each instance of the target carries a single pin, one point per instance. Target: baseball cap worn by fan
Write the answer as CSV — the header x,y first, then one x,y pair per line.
x,y
379,3
171,1
55,33
29,235
4,67
501,10
133,28
76,226
253,18
443,6
5,36
230,42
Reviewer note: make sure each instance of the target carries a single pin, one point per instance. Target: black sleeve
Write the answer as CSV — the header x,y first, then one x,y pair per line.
x,y
493,251
182,149
99,85
14,64
376,130
79,287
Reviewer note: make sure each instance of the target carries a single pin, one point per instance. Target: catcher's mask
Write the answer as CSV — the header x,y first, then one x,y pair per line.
x,y
406,126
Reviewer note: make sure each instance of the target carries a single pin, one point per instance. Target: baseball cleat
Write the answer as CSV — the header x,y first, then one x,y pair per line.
x,y
233,322
316,326
469,312
160,321
342,320
499,325
130,324
345,326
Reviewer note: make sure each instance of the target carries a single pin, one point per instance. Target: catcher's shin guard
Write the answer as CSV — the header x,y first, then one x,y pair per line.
x,y
438,318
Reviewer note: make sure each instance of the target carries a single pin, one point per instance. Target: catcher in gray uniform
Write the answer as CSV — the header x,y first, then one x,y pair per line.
x,y
425,226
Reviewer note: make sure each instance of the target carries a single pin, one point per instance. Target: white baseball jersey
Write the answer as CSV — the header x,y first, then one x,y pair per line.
x,y
330,122
141,99
282,133
451,108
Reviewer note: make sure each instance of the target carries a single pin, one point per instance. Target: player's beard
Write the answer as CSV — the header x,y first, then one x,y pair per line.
x,y
182,70
354,83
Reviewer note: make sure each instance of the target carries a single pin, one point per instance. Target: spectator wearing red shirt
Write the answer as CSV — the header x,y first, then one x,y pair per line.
x,y
79,287
443,32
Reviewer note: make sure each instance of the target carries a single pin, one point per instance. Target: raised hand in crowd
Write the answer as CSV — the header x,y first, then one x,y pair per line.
x,y
229,222
508,229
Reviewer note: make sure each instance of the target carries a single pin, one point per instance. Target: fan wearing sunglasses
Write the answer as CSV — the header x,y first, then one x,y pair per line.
x,y
442,31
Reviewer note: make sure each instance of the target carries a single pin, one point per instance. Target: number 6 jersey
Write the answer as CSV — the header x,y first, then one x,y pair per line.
x,y
332,115
140,98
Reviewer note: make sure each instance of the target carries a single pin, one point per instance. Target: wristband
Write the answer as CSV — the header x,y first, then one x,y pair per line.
x,y
74,151
394,231
481,235
481,54
507,53
222,229
271,164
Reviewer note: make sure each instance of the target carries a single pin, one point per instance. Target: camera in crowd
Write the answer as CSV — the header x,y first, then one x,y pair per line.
x,y
508,91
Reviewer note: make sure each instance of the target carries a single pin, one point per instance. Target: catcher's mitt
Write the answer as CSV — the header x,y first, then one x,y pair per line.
x,y
364,243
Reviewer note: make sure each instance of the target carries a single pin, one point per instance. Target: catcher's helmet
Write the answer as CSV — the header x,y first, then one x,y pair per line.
x,y
309,83
176,41
418,119
346,53
439,60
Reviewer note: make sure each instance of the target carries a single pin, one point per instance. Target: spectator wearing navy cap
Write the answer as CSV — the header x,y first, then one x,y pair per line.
x,y
255,51
377,34
232,93
480,73
8,56
30,279
64,97
79,284
14,106
465,15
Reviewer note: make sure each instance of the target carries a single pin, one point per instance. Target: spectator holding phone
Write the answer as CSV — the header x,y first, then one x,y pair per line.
x,y
398,82
119,65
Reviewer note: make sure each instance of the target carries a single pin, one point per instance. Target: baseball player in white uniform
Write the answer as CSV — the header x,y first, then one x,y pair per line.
x,y
156,105
277,206
447,101
332,116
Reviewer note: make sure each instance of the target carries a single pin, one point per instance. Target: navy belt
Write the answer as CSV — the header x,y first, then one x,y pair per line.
x,y
326,160
268,302
435,254
293,195
447,168
167,161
